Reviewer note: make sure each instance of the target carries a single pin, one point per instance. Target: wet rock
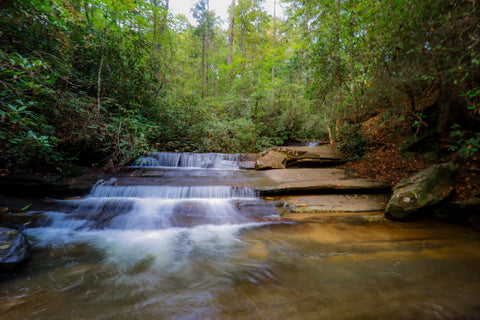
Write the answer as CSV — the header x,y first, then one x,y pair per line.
x,y
318,181
14,249
328,203
425,188
55,184
319,156
247,164
271,160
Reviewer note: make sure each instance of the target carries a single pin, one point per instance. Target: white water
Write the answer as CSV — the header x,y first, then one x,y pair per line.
x,y
128,224
215,161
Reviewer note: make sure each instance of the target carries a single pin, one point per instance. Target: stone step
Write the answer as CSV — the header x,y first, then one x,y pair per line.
x,y
283,157
354,209
318,181
342,217
336,203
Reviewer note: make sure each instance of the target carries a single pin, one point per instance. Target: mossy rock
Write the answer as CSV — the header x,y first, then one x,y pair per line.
x,y
424,189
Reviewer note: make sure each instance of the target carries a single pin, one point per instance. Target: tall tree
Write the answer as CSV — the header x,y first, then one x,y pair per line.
x,y
231,27
205,30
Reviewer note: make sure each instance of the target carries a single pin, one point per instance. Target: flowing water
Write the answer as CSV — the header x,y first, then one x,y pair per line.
x,y
196,243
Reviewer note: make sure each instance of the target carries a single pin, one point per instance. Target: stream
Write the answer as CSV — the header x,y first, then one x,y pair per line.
x,y
192,240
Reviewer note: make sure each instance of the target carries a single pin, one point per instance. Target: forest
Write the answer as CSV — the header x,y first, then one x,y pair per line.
x,y
99,82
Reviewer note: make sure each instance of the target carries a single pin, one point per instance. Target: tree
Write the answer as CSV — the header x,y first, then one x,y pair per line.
x,y
205,30
231,27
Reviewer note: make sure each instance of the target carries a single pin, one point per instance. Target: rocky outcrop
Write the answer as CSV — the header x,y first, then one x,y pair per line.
x,y
318,181
319,156
14,249
271,160
423,189
338,203
50,185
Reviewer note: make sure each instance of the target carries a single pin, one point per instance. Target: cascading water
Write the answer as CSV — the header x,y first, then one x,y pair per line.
x,y
119,218
160,207
219,161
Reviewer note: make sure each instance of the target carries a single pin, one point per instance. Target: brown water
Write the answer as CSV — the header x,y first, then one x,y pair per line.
x,y
424,270
100,258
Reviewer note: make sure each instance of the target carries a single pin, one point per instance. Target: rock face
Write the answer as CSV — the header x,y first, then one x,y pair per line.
x,y
319,181
14,249
319,156
246,164
423,189
271,160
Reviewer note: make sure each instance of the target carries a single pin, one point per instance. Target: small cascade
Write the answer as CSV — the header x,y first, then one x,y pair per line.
x,y
111,206
158,227
215,161
169,192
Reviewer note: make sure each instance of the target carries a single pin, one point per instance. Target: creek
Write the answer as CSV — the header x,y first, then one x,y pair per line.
x,y
187,237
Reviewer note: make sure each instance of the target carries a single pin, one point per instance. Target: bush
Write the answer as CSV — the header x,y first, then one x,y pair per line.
x,y
352,141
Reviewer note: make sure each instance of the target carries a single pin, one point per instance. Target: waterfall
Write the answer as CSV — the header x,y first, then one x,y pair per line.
x,y
160,219
216,161
156,207
170,192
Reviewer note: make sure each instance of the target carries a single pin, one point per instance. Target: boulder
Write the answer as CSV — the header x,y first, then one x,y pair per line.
x,y
246,164
324,155
14,249
271,160
423,189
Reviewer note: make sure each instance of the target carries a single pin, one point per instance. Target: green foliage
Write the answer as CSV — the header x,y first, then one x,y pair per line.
x,y
473,98
24,131
352,141
105,80
465,146
78,80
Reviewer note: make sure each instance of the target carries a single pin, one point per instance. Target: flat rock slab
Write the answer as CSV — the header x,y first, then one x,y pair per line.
x,y
336,203
343,217
322,155
319,180
324,151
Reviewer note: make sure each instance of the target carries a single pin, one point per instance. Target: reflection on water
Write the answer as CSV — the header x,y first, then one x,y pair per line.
x,y
422,270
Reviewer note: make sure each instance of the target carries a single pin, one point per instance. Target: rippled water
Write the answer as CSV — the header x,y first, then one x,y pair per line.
x,y
309,271
219,252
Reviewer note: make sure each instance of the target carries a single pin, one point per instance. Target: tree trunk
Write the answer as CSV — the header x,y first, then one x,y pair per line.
x,y
274,35
444,119
159,30
230,33
327,123
165,18
100,67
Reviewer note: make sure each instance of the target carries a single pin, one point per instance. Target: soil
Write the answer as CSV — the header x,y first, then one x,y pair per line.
x,y
385,160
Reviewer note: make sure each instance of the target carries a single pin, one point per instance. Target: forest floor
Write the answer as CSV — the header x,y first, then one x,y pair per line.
x,y
385,161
